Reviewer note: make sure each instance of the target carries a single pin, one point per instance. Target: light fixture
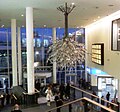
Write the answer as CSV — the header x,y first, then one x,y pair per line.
x,y
22,15
98,17
66,52
73,3
36,52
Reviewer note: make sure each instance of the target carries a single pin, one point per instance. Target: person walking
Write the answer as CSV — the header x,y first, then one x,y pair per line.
x,y
48,95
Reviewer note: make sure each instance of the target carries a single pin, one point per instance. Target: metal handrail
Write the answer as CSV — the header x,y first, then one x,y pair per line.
x,y
65,104
31,93
93,95
84,98
14,96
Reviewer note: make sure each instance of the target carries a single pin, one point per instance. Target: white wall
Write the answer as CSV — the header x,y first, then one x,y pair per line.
x,y
100,32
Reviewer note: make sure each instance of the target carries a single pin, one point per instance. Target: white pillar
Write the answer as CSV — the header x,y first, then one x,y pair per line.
x,y
54,63
94,82
14,53
30,50
19,57
86,57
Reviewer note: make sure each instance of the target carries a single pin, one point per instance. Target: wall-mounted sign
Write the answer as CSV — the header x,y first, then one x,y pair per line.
x,y
98,53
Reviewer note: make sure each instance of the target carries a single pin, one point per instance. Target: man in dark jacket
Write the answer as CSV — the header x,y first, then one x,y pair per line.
x,y
58,101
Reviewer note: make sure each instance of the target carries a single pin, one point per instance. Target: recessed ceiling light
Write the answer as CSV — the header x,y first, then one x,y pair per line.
x,y
77,26
22,15
73,3
98,16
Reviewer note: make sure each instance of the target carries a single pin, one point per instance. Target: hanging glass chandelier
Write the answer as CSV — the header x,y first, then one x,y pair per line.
x,y
66,52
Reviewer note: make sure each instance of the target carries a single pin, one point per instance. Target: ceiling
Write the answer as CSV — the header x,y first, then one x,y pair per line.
x,y
46,13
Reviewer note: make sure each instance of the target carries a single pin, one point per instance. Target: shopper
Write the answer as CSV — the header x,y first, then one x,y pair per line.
x,y
108,96
48,95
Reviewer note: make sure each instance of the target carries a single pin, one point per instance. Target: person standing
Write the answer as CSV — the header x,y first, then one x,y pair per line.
x,y
108,96
58,101
102,102
67,91
7,98
37,85
48,95
62,90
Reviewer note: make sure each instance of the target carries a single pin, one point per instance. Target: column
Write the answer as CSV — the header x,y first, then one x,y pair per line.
x,y
14,53
54,63
30,50
19,57
94,82
86,58
86,75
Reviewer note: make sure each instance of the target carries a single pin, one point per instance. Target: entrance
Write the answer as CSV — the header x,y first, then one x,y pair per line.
x,y
4,83
108,84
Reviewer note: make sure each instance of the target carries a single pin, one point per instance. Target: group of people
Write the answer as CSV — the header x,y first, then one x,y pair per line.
x,y
103,98
5,99
82,83
57,94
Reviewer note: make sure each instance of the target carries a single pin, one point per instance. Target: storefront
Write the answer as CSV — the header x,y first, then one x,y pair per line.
x,y
101,81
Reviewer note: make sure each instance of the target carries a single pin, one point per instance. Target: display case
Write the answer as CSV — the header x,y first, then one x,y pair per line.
x,y
98,53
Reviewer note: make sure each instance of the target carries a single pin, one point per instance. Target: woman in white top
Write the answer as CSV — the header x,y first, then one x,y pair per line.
x,y
48,95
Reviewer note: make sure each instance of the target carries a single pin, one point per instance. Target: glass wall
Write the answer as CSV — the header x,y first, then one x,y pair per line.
x,y
42,40
5,51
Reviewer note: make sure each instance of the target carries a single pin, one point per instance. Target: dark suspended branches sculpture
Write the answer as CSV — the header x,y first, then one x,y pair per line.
x,y
67,52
